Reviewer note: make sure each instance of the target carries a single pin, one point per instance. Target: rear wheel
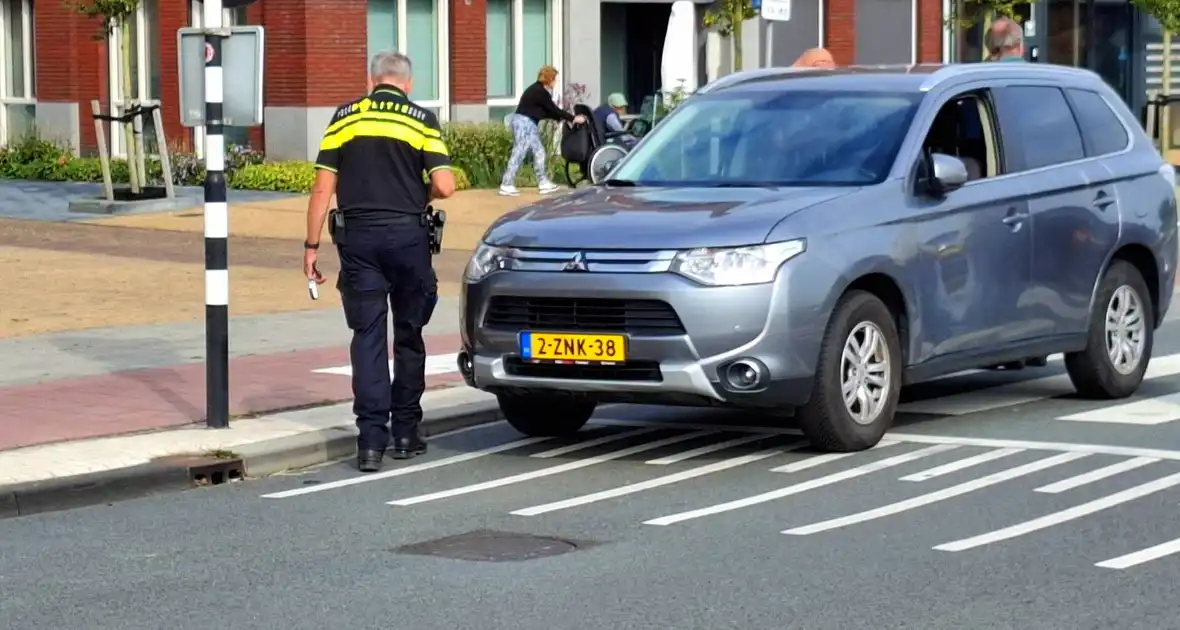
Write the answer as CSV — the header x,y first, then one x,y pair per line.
x,y
602,159
1120,337
857,378
539,415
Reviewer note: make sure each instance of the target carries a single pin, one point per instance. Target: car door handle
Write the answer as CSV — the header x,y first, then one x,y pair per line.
x,y
1013,219
1102,200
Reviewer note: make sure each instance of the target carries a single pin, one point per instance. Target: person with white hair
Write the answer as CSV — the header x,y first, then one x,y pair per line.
x,y
1004,40
384,158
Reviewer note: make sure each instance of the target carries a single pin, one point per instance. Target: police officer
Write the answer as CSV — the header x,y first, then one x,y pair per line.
x,y
384,158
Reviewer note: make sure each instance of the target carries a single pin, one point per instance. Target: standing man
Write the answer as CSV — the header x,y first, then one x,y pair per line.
x,y
377,155
1005,41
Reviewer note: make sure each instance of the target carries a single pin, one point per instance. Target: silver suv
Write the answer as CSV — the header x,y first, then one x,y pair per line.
x,y
814,240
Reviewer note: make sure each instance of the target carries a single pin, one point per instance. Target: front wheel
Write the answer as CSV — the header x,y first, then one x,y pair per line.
x,y
857,379
603,159
538,415
1120,338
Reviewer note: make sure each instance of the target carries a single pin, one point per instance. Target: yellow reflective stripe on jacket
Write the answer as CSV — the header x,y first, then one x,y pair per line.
x,y
363,127
404,119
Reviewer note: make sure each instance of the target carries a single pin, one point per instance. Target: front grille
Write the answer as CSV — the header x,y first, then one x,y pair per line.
x,y
638,317
629,371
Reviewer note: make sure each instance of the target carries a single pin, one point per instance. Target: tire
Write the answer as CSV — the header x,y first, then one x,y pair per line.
x,y
826,419
601,157
1093,371
538,415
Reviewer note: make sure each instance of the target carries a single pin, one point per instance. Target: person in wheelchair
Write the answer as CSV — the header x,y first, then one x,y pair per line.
x,y
610,124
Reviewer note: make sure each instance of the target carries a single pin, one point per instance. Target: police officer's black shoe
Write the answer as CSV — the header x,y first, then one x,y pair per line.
x,y
406,448
369,460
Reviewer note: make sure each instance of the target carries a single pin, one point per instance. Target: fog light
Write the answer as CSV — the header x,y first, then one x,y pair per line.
x,y
745,374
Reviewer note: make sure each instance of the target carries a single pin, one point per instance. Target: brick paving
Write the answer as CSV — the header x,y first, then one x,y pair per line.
x,y
159,398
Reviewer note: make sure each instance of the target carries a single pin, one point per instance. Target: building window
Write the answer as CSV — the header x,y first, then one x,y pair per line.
x,y
522,36
416,28
18,116
144,79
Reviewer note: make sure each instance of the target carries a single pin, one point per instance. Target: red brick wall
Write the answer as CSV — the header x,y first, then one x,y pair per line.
x,y
469,52
173,14
840,30
70,63
930,30
315,51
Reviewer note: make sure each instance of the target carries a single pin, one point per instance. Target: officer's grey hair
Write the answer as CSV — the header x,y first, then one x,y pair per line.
x,y
1003,37
391,64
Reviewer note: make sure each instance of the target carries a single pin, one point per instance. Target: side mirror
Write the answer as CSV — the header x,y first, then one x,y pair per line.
x,y
940,174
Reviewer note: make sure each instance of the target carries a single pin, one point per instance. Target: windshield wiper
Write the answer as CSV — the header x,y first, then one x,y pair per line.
x,y
619,182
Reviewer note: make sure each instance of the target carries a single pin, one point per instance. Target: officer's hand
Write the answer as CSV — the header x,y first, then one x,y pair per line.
x,y
579,119
309,267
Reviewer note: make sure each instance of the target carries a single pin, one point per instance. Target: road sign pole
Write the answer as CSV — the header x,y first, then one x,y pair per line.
x,y
769,43
216,229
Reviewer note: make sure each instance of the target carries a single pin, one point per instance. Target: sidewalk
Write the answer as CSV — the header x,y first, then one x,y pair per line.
x,y
469,213
94,472
167,397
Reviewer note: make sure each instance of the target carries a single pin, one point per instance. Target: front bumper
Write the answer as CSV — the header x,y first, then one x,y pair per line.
x,y
680,365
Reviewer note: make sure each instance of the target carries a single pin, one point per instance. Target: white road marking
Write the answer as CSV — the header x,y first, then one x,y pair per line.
x,y
1096,475
1049,520
695,426
435,364
1145,412
1021,392
817,460
606,439
934,497
968,462
812,484
545,472
1144,555
1033,445
710,448
397,472
691,473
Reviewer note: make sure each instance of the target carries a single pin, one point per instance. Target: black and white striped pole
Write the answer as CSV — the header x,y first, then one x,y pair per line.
x,y
216,229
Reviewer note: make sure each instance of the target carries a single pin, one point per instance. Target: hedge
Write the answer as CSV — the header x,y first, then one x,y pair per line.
x,y
479,151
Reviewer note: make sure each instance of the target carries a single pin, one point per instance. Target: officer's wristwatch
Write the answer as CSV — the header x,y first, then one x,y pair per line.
x,y
307,245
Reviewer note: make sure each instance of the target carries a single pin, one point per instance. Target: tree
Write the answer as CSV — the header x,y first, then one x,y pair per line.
x,y
727,17
116,14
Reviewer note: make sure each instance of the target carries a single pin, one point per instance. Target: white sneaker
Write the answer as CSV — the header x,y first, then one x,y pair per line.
x,y
547,188
509,191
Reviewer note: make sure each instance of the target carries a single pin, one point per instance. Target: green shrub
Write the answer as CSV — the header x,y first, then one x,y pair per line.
x,y
479,152
275,177
482,151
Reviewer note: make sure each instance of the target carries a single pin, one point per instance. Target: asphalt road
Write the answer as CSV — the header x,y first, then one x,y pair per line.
x,y
998,502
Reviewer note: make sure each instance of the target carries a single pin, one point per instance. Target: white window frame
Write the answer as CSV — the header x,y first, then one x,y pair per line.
x,y
443,54
30,67
115,138
948,32
518,71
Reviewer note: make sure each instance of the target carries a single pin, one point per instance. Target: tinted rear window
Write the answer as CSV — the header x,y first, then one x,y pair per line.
x,y
1100,126
1040,119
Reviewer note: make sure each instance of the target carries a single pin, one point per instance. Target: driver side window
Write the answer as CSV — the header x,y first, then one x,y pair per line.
x,y
964,128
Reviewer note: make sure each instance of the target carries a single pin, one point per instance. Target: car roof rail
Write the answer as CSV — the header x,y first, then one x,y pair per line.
x,y
1027,69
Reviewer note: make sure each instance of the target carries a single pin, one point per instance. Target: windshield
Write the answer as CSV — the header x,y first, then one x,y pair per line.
x,y
759,138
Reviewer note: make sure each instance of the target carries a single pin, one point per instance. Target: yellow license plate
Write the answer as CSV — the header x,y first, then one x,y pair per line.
x,y
573,347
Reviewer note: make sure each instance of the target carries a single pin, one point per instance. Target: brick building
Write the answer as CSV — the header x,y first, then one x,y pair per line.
x,y
472,57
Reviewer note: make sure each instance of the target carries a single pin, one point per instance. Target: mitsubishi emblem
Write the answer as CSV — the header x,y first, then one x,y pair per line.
x,y
577,263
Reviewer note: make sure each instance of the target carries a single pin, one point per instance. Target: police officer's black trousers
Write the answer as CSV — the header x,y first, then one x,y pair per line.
x,y
383,267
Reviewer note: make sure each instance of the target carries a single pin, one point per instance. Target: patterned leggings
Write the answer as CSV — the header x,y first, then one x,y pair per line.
x,y
526,138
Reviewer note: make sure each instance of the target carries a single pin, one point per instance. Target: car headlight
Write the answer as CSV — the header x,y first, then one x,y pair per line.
x,y
731,266
485,260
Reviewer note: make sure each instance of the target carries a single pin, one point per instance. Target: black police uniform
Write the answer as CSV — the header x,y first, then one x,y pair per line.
x,y
381,147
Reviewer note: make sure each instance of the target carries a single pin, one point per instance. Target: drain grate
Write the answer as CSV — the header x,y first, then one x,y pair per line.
x,y
492,546
216,473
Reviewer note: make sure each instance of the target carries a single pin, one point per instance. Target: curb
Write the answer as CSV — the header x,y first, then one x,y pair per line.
x,y
182,473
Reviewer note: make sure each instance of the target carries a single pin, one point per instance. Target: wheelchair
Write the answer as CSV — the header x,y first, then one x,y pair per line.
x,y
605,150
